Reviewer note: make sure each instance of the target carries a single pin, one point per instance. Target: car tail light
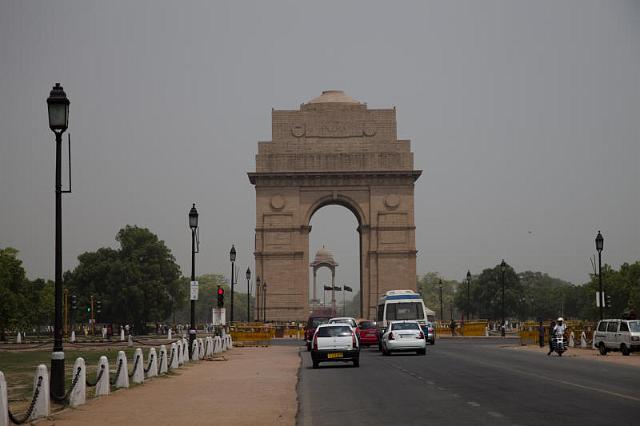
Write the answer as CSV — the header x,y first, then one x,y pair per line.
x,y
315,342
421,335
391,336
430,329
354,343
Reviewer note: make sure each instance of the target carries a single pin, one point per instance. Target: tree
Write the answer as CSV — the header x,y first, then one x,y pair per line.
x,y
136,284
429,287
12,279
486,294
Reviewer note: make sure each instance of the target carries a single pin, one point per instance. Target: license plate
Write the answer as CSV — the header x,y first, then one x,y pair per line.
x,y
334,355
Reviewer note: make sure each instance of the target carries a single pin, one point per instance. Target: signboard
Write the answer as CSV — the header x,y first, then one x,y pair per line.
x,y
219,316
194,290
599,301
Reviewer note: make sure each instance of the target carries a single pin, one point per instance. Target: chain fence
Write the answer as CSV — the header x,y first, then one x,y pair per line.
x,y
27,415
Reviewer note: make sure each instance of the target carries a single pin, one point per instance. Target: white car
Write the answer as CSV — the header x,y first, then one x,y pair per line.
x,y
617,335
335,342
351,321
403,336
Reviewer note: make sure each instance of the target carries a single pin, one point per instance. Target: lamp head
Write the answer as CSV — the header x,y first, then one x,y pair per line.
x,y
58,105
193,217
248,273
232,253
599,242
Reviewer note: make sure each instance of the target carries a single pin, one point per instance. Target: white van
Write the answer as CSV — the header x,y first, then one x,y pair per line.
x,y
402,305
617,335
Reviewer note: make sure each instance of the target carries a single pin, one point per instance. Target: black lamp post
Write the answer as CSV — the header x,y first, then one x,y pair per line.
x,y
193,224
248,274
441,309
58,106
599,247
503,268
264,302
258,290
232,257
468,294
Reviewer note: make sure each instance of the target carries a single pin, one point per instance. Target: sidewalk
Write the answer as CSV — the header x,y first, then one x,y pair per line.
x,y
254,386
611,357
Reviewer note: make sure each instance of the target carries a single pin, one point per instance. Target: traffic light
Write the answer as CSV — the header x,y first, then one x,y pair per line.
x,y
220,297
607,301
74,302
88,308
98,307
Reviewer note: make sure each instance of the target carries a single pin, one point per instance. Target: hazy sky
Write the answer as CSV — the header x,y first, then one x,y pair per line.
x,y
523,116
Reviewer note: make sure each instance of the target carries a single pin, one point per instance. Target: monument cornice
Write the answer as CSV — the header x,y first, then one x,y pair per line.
x,y
333,178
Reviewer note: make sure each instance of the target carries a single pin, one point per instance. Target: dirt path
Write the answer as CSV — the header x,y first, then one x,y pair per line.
x,y
611,357
254,386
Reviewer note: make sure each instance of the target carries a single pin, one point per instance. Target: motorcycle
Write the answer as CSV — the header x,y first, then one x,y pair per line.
x,y
559,345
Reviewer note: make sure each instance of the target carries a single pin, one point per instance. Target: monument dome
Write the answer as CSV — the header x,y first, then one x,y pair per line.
x,y
333,97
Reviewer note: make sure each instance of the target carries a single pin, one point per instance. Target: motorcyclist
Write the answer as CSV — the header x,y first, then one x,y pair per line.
x,y
559,328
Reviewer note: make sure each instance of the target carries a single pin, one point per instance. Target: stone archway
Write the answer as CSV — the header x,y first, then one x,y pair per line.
x,y
333,150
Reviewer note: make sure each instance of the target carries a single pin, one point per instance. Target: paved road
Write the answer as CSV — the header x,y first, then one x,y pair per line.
x,y
468,382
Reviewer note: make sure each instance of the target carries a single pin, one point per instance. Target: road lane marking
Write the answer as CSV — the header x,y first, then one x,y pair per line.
x,y
495,414
473,403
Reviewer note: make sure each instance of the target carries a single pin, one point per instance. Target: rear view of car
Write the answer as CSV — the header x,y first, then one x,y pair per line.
x,y
335,342
403,336
368,333
429,332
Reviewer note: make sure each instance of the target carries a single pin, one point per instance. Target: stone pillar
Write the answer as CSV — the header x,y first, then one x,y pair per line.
x,y
78,395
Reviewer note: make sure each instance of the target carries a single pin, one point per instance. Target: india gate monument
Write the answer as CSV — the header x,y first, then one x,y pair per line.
x,y
333,150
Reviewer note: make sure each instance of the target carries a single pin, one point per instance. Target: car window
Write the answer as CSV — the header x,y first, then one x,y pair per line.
x,y
602,326
405,326
336,331
366,325
613,326
404,311
624,326
634,326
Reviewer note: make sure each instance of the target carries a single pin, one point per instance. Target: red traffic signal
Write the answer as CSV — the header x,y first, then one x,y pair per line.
x,y
220,297
220,290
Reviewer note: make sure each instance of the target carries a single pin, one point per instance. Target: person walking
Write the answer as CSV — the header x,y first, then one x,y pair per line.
x,y
541,334
452,326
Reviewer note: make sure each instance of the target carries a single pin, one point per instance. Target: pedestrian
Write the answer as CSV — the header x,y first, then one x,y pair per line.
x,y
452,326
541,334
552,326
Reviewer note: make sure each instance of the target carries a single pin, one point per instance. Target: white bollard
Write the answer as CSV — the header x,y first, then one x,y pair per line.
x,y
153,363
73,336
185,350
593,339
130,343
230,342
583,340
572,340
174,356
217,348
194,350
169,335
122,334
122,380
200,348
179,353
138,368
209,350
78,395
42,405
4,403
19,338
163,360
103,387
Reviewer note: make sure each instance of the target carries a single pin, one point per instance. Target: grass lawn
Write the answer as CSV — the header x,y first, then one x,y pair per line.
x,y
19,368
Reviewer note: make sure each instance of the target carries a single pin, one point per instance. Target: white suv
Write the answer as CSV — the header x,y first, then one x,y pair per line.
x,y
617,335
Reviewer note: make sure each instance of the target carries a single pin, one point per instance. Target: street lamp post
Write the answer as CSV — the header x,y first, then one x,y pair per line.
x,y
258,290
599,247
264,301
441,309
248,274
232,257
193,224
503,267
468,294
58,108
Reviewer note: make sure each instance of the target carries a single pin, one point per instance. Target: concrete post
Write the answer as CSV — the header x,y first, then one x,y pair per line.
x,y
138,372
572,340
179,354
42,405
185,350
122,381
201,348
163,360
583,340
73,336
79,393
130,343
4,403
122,334
153,362
194,351
19,338
103,387
174,360
169,335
